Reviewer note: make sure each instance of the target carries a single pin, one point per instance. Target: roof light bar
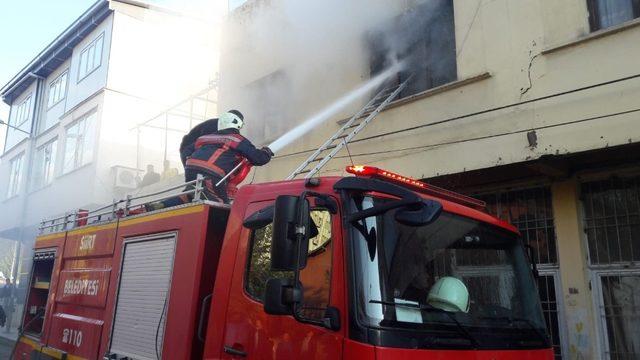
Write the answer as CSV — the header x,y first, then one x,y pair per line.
x,y
372,171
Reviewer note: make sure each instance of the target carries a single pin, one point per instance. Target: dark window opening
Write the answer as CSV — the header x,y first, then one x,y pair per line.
x,y
607,13
423,38
266,100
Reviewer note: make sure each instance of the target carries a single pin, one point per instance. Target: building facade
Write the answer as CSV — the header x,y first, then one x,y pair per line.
x,y
108,97
529,105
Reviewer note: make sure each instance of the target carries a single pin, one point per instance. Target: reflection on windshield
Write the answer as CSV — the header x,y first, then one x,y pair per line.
x,y
485,269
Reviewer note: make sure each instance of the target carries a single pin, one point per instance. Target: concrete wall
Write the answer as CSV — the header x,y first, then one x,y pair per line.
x,y
75,189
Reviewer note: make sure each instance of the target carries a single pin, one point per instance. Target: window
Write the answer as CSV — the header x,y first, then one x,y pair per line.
x,y
259,269
315,277
15,176
424,38
530,211
91,57
607,13
612,225
79,144
44,165
266,97
57,89
21,112
612,220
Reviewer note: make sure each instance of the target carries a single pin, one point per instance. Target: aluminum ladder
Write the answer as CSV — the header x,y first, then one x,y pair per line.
x,y
342,137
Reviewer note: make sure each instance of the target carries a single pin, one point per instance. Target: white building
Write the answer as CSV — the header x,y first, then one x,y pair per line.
x,y
110,95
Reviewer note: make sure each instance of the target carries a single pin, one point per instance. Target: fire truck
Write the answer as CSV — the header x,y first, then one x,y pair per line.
x,y
371,266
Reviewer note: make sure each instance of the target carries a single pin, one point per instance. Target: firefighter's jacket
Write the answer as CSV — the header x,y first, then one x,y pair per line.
x,y
188,144
217,154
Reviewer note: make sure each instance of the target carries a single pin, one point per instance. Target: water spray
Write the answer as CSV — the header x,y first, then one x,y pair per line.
x,y
325,114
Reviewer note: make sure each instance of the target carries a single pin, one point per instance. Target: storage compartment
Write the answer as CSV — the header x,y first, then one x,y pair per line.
x,y
145,280
38,293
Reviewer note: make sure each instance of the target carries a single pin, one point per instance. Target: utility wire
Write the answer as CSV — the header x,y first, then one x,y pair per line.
x,y
494,135
460,117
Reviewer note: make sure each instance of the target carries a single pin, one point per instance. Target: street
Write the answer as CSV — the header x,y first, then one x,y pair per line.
x,y
6,346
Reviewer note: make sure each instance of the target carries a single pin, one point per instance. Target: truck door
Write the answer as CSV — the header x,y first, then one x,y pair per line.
x,y
250,332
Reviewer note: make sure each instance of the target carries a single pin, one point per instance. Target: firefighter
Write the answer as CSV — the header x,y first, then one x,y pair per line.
x,y
215,155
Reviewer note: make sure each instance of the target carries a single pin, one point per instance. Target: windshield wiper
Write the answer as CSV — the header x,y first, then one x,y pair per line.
x,y
428,308
517,319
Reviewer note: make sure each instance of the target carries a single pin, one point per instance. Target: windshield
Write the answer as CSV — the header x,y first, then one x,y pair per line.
x,y
397,266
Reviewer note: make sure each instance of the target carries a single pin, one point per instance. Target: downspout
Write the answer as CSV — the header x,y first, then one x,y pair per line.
x,y
38,103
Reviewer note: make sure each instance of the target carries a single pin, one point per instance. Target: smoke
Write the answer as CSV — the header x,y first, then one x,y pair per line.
x,y
285,60
333,109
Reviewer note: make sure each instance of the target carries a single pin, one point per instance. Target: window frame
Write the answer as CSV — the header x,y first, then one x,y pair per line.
x,y
15,178
83,118
86,50
19,111
56,82
39,168
595,23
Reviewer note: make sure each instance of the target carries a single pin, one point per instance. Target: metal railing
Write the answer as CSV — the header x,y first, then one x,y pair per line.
x,y
130,205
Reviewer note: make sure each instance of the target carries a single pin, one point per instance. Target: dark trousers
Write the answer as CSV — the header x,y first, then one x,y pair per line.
x,y
209,191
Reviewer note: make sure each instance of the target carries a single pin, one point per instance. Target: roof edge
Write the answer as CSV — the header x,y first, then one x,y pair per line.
x,y
97,7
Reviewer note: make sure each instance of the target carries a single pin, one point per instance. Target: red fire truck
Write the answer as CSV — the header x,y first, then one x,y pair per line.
x,y
372,266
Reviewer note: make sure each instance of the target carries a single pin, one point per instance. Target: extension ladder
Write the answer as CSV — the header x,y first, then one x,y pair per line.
x,y
342,137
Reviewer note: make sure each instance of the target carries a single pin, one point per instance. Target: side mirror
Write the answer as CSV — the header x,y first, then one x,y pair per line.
x,y
290,225
280,295
331,318
425,213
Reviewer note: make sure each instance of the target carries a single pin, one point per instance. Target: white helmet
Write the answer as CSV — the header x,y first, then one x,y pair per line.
x,y
449,294
232,119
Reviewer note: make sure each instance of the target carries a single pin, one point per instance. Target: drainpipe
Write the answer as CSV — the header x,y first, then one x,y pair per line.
x,y
38,103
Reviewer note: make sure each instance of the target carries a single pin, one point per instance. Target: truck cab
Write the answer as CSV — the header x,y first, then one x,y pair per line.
x,y
373,266
362,284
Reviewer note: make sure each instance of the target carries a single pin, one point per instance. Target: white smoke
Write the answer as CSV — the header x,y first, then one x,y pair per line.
x,y
330,111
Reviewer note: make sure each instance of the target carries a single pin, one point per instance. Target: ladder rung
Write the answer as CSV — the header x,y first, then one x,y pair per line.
x,y
353,125
304,171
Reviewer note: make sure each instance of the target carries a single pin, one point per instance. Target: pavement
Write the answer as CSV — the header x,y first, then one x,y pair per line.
x,y
6,345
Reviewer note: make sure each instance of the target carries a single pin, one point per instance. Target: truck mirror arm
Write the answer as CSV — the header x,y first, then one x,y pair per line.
x,y
331,319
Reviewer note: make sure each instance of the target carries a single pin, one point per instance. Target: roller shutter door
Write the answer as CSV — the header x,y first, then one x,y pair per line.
x,y
145,279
